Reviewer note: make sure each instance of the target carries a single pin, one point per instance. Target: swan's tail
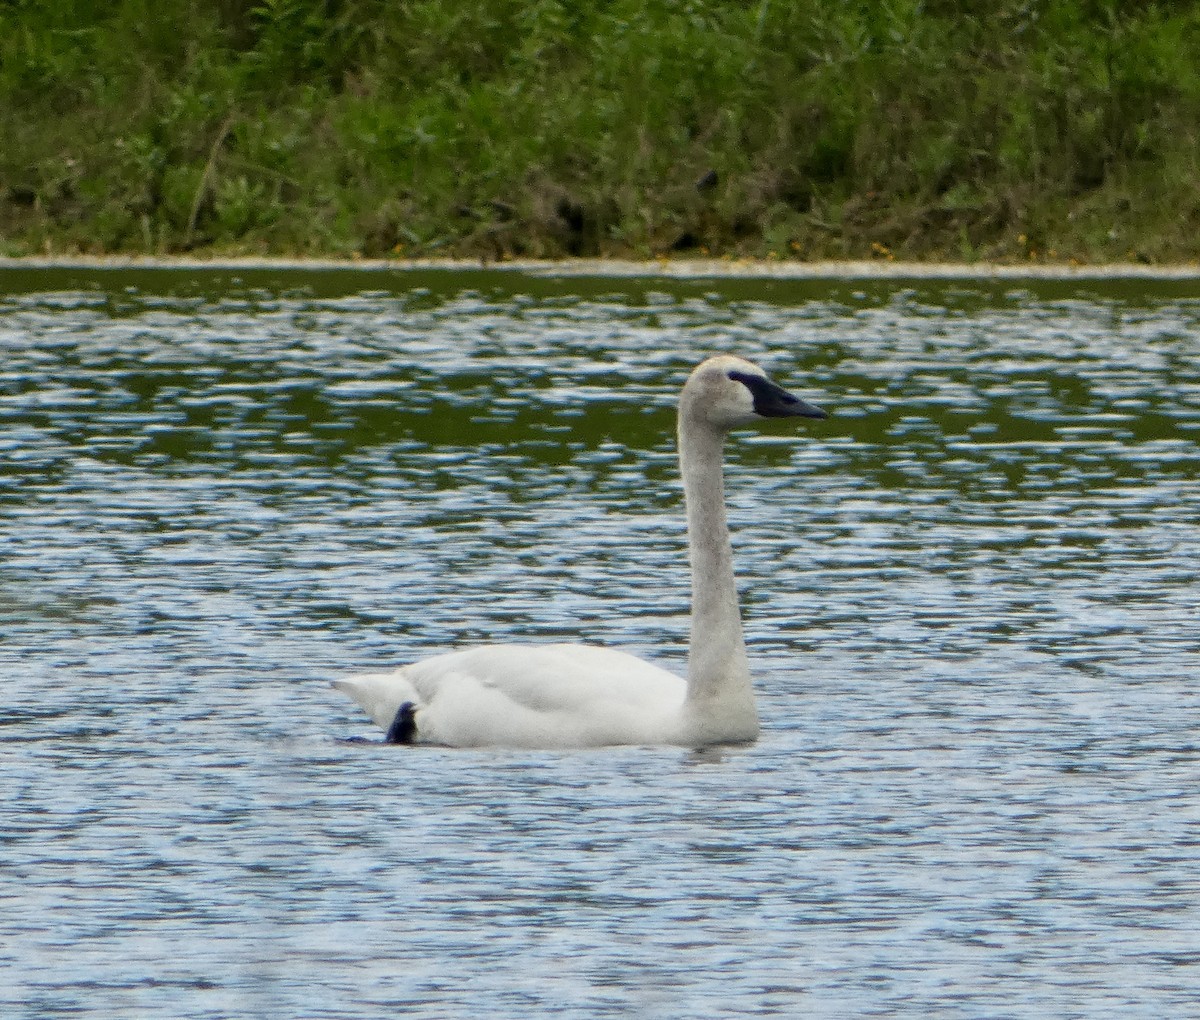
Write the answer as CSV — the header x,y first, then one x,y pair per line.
x,y
380,695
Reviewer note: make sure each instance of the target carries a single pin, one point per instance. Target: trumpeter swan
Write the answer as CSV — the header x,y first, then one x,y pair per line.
x,y
562,695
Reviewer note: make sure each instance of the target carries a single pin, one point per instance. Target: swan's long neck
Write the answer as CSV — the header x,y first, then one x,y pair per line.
x,y
719,697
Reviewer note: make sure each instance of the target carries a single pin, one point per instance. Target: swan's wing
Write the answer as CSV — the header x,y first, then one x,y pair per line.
x,y
528,696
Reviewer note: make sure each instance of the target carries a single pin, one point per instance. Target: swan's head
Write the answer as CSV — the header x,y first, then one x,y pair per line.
x,y
728,392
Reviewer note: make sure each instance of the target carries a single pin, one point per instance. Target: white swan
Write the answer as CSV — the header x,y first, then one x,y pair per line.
x,y
560,696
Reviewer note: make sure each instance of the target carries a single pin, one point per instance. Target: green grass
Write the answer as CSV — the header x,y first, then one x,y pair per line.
x,y
1009,130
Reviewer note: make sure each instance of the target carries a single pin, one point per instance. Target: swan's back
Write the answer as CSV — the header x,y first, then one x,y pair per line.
x,y
525,696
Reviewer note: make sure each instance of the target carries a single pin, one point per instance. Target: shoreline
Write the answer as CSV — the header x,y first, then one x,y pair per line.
x,y
630,268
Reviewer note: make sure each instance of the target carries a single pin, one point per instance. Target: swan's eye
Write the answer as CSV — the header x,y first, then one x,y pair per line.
x,y
751,382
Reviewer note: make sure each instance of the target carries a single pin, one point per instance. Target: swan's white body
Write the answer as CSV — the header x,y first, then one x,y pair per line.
x,y
565,695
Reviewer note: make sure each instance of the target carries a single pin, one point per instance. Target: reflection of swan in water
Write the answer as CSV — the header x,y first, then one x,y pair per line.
x,y
585,696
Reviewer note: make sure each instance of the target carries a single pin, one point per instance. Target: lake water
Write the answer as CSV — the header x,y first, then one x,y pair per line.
x,y
971,603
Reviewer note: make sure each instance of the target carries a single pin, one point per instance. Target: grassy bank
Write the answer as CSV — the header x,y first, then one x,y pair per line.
x,y
1015,130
